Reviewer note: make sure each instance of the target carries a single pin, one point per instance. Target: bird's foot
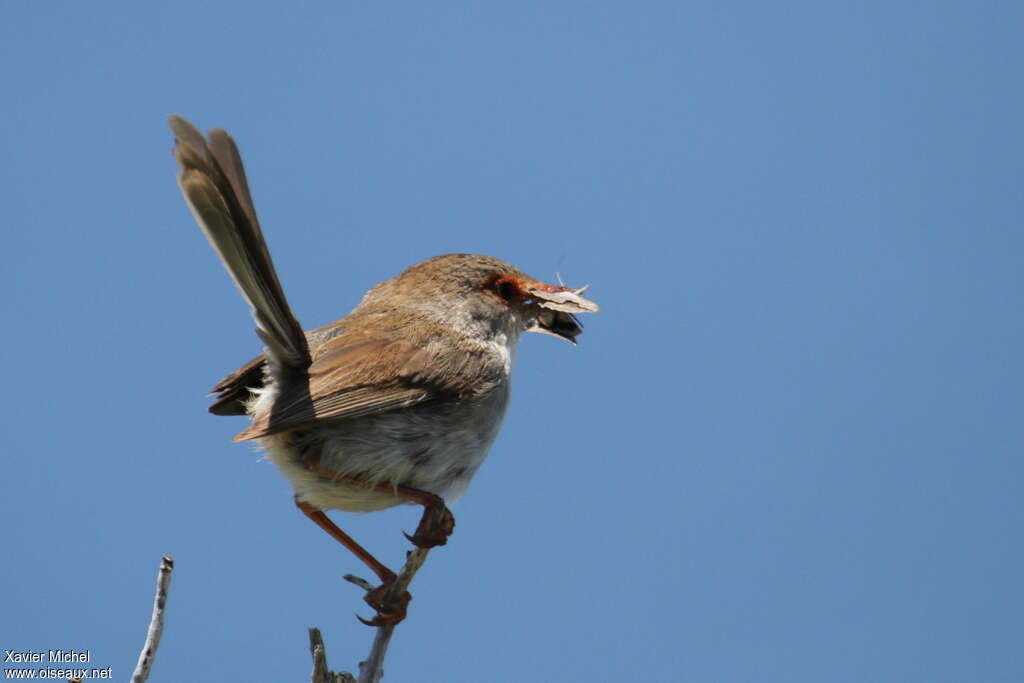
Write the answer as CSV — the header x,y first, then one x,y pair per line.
x,y
436,525
389,605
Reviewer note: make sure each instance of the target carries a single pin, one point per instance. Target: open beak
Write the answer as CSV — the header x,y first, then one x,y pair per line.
x,y
555,308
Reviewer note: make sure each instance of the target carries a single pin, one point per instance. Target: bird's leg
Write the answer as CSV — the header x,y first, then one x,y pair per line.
x,y
324,522
388,611
436,524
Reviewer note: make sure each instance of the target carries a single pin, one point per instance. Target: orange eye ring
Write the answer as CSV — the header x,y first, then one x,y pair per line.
x,y
506,289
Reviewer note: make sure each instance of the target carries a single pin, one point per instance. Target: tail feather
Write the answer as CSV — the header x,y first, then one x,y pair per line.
x,y
213,181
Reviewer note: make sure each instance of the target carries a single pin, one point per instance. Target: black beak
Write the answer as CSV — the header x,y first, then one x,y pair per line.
x,y
555,305
557,324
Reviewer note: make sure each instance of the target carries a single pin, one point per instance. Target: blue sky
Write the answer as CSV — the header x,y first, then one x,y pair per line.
x,y
788,449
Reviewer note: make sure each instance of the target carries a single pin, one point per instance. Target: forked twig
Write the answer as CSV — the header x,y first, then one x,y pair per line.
x,y
321,673
372,669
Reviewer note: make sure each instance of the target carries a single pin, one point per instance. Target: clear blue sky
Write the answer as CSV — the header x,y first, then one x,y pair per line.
x,y
789,448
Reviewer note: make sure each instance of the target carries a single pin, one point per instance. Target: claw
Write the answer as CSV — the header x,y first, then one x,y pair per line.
x,y
426,540
379,621
382,620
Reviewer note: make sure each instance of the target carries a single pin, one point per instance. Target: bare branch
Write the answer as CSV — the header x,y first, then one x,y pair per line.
x,y
372,670
156,622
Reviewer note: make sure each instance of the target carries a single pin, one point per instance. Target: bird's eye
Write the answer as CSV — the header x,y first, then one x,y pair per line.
x,y
506,289
504,286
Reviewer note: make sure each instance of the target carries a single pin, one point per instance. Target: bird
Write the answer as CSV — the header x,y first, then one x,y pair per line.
x,y
396,402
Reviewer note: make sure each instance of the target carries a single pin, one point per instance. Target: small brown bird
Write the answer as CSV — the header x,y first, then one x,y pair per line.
x,y
398,401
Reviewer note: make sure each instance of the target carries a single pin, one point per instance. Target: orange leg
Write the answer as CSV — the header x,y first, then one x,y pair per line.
x,y
436,524
325,523
389,611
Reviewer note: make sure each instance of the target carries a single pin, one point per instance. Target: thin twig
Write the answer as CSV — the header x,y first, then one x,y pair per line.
x,y
372,670
362,583
156,622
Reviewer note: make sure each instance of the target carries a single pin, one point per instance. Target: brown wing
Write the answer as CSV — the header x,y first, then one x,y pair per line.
x,y
355,376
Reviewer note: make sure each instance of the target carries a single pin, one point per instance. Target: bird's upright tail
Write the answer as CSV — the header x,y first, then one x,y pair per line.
x,y
213,181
